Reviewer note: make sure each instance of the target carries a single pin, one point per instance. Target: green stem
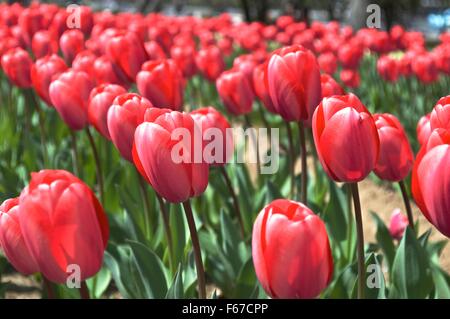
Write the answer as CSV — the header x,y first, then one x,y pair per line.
x,y
360,242
304,196
76,164
349,221
291,159
197,251
407,204
167,230
235,199
98,166
146,205
48,286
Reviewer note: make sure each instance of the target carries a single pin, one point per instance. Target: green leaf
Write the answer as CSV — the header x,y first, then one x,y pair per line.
x,y
441,283
246,281
375,285
411,277
178,229
151,270
176,290
99,283
384,239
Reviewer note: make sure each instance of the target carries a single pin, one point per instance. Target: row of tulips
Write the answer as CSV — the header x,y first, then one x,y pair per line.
x,y
130,76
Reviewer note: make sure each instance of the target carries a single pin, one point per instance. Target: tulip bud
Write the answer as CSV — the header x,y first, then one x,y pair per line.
x,y
124,115
293,80
396,156
44,44
69,94
291,251
100,100
162,83
63,224
398,224
176,175
346,138
388,68
235,91
71,43
11,238
16,64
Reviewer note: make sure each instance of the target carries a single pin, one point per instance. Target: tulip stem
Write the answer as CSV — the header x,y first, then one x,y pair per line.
x,y
76,164
407,204
304,196
146,205
167,230
360,243
350,221
48,288
291,159
197,250
255,144
84,291
227,179
98,166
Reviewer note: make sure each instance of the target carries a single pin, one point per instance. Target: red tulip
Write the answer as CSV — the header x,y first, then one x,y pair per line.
x,y
100,100
260,88
184,57
424,68
291,251
43,44
11,238
350,55
42,73
63,224
293,80
327,62
175,179
69,94
16,64
162,83
440,116
388,68
210,62
107,72
71,43
423,129
329,86
235,91
30,21
127,51
154,51
84,61
396,156
125,114
350,78
215,129
398,224
431,180
346,138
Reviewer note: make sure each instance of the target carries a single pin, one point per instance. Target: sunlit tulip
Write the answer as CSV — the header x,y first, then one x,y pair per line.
x,y
346,138
235,91
291,251
63,224
260,88
11,238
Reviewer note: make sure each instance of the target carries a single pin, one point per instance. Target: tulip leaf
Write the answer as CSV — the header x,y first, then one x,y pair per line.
x,y
176,290
411,275
375,285
246,281
99,283
384,239
441,282
178,230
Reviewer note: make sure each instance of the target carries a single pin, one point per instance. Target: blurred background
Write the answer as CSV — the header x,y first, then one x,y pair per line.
x,y
428,16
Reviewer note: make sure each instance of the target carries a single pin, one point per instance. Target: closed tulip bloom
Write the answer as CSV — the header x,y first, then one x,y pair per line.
x,y
175,179
63,224
431,180
42,73
31,20
350,78
327,62
43,44
209,119
424,67
235,91
16,64
346,138
293,80
125,114
100,100
329,86
291,251
350,55
398,224
388,68
260,88
162,83
11,239
71,43
184,57
423,129
127,52
69,94
396,156
84,61
154,51
108,72
440,116
210,62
